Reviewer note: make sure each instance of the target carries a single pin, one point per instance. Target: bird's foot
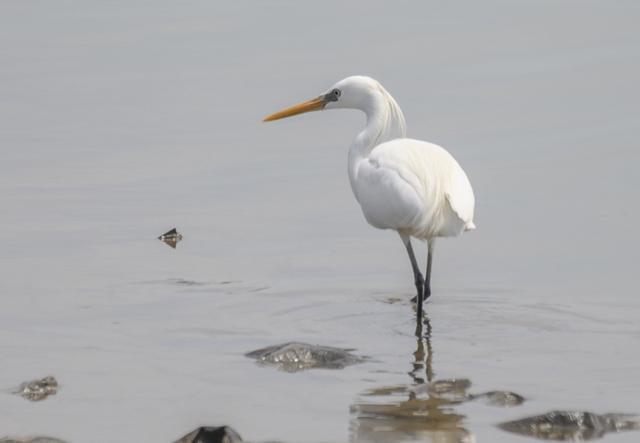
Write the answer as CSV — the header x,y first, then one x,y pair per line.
x,y
427,294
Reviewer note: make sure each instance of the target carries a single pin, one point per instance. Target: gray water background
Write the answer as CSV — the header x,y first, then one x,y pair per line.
x,y
120,120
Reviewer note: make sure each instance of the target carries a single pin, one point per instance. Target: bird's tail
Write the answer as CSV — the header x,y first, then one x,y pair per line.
x,y
469,226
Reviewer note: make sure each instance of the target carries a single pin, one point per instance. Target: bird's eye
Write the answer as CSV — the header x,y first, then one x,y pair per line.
x,y
332,96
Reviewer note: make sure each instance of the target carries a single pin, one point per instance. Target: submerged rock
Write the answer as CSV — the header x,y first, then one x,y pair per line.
x,y
30,440
294,356
503,399
571,425
37,390
454,390
451,389
211,434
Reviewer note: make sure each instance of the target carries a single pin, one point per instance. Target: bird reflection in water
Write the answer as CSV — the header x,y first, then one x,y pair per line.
x,y
420,411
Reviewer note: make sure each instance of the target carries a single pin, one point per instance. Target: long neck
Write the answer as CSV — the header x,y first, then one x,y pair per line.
x,y
385,122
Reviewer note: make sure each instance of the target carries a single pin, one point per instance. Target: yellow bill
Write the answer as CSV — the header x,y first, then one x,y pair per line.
x,y
310,105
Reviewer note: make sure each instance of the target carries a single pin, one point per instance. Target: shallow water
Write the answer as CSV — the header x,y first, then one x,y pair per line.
x,y
119,121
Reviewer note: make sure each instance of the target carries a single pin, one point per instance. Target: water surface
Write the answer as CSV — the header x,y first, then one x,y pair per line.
x,y
120,120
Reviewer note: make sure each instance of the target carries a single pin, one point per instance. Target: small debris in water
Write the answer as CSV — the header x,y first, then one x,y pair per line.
x,y
30,440
294,357
37,390
571,425
504,399
211,434
171,237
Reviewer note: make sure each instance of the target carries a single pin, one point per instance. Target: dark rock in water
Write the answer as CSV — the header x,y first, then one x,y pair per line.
x,y
293,357
30,440
171,237
571,425
211,434
36,390
503,399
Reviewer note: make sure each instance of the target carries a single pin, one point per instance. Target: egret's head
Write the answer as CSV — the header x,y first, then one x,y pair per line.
x,y
352,92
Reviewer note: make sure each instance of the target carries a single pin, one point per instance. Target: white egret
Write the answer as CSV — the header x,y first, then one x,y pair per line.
x,y
411,186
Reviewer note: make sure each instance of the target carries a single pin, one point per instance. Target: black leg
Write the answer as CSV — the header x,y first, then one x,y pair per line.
x,y
417,275
419,281
427,282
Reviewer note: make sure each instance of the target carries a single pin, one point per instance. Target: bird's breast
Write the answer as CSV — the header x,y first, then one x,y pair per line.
x,y
387,200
